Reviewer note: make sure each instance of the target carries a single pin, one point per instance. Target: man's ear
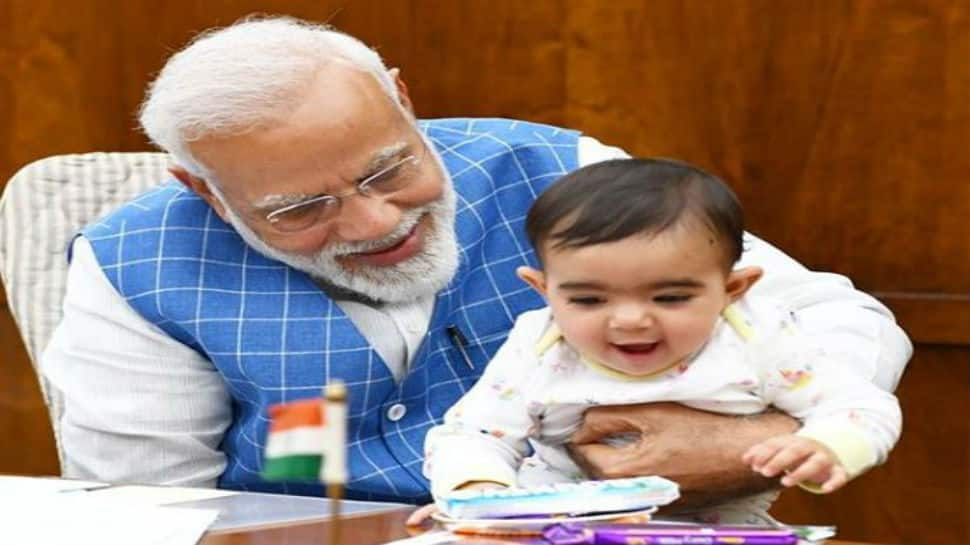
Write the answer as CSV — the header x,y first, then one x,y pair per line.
x,y
740,281
402,89
534,278
201,187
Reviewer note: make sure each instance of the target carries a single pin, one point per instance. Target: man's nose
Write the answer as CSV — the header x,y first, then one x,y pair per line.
x,y
366,218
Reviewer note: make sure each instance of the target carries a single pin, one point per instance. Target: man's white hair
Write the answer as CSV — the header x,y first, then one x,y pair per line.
x,y
248,75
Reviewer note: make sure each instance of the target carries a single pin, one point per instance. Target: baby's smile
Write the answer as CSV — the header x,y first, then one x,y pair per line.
x,y
636,348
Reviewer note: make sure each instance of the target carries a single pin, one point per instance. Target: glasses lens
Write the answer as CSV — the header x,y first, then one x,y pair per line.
x,y
305,215
395,177
391,179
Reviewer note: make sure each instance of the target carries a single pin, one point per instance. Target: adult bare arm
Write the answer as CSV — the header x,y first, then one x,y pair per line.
x,y
700,450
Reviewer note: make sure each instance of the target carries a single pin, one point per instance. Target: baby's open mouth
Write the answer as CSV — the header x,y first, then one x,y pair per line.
x,y
636,348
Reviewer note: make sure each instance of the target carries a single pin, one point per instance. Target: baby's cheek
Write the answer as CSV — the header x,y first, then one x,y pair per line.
x,y
578,336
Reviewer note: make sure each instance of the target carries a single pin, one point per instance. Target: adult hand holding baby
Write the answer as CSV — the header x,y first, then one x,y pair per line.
x,y
700,450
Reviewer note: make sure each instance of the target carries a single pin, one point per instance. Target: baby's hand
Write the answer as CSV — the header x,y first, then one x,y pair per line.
x,y
801,459
423,513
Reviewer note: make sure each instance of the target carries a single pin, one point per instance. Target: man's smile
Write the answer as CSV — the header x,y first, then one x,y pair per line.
x,y
405,248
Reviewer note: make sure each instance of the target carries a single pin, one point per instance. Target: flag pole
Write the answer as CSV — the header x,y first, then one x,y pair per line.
x,y
335,492
336,473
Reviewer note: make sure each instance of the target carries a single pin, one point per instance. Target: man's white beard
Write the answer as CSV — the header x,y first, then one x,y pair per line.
x,y
419,276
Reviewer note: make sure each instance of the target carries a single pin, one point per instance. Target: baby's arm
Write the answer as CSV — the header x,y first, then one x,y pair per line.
x,y
484,436
849,424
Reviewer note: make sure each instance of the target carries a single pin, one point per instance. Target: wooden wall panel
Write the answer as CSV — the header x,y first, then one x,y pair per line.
x,y
76,82
59,69
932,318
842,124
24,427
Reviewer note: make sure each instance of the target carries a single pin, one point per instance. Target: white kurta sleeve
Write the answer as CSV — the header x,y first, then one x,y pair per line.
x,y
138,405
485,435
839,408
856,330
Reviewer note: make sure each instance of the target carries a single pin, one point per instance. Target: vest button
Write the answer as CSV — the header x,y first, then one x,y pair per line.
x,y
396,412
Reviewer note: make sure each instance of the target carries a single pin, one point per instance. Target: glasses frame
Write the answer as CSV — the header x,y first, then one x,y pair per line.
x,y
362,188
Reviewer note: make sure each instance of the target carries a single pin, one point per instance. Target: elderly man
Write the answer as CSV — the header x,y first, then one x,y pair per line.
x,y
321,232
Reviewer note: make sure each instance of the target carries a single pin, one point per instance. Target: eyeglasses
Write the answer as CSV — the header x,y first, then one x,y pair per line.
x,y
323,208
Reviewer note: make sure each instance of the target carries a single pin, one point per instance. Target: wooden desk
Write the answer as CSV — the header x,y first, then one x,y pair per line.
x,y
365,529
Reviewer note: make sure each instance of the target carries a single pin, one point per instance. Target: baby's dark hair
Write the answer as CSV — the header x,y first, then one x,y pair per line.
x,y
613,200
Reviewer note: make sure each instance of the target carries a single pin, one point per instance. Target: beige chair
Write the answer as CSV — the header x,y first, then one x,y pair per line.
x,y
42,207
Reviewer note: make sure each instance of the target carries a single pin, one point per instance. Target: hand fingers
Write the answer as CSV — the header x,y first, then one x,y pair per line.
x,y
758,455
590,458
641,419
600,422
816,468
837,479
604,461
421,514
786,457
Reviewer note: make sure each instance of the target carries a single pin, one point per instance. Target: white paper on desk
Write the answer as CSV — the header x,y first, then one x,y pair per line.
x,y
78,519
20,486
157,495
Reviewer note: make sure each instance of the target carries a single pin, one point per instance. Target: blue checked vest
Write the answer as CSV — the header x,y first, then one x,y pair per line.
x,y
275,336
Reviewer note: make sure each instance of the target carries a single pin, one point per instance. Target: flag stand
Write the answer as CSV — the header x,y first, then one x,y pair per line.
x,y
336,395
307,441
335,491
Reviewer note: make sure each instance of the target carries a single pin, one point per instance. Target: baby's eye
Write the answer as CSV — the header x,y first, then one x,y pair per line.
x,y
586,301
673,298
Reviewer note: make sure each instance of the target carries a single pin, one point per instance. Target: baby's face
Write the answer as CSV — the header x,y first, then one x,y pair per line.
x,y
639,305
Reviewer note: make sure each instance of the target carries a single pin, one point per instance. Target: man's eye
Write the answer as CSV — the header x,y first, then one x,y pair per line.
x,y
394,177
298,212
586,301
387,177
305,213
673,298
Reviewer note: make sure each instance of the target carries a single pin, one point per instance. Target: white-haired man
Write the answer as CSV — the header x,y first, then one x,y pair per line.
x,y
319,232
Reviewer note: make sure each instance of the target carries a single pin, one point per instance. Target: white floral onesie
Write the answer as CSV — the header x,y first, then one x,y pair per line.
x,y
513,425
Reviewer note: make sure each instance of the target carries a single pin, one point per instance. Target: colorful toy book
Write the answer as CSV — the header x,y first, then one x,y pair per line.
x,y
664,534
564,499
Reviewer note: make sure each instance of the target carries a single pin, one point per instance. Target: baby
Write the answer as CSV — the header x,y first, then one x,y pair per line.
x,y
645,305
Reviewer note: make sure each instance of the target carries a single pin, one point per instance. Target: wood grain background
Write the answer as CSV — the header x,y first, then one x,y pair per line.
x,y
842,124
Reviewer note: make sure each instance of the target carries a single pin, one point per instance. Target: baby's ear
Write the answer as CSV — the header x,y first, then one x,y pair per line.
x,y
534,278
740,281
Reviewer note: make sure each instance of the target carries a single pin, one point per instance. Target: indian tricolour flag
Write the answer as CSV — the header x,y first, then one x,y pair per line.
x,y
307,439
